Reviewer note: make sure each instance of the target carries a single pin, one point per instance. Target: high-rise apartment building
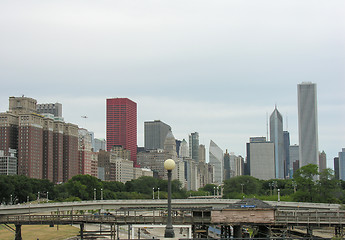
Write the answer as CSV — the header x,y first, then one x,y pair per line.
x,y
52,108
122,125
47,147
216,159
155,133
260,158
194,146
70,151
277,137
308,124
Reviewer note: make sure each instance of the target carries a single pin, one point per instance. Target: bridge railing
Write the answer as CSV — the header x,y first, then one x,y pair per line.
x,y
305,217
67,219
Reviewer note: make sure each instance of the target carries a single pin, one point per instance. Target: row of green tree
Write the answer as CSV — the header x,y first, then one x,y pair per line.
x,y
19,189
308,185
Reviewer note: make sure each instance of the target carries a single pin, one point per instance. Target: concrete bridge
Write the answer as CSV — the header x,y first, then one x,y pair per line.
x,y
199,213
176,203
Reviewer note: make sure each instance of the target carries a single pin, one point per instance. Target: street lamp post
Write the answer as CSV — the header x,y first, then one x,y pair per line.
x,y
94,194
278,195
101,193
153,193
169,165
158,194
214,192
38,197
47,196
11,200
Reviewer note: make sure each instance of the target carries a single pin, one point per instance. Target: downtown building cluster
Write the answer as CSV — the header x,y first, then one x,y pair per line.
x,y
36,142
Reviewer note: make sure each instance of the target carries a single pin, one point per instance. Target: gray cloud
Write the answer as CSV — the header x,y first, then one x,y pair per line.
x,y
212,67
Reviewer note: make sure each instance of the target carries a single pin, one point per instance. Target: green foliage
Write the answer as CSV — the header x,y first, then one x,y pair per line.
x,y
249,185
209,188
304,178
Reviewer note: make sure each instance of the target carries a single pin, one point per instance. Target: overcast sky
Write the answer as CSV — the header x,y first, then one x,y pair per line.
x,y
213,67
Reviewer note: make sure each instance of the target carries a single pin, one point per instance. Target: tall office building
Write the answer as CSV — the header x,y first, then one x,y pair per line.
x,y
336,168
260,158
277,137
216,159
184,151
342,164
308,124
294,158
52,108
194,146
323,161
155,133
202,154
122,125
286,154
227,167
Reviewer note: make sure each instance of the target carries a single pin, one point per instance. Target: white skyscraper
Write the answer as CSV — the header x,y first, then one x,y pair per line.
x,y
307,124
184,151
216,159
277,137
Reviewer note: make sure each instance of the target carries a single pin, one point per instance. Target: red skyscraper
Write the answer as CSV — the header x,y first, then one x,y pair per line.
x,y
122,125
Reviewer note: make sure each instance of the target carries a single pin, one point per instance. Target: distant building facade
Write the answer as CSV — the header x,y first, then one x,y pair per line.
x,y
336,168
121,125
342,164
47,147
155,133
277,137
308,124
261,153
52,108
194,146
8,163
286,155
294,158
100,144
216,159
323,161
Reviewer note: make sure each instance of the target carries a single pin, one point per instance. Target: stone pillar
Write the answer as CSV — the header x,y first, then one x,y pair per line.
x,y
237,231
18,232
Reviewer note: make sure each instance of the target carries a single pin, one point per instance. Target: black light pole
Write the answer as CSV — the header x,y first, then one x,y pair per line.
x,y
169,165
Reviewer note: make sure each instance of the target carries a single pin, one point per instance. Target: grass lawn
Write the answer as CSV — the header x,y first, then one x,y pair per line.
x,y
41,232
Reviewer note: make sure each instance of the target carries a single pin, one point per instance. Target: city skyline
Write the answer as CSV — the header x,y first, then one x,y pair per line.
x,y
218,75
